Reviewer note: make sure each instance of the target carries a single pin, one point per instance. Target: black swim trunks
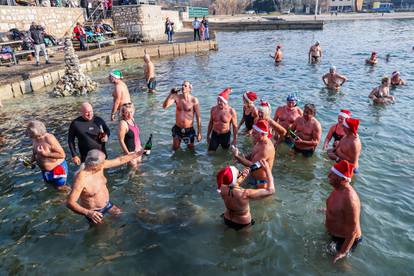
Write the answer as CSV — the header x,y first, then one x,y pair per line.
x,y
305,152
219,139
236,226
185,134
152,83
340,241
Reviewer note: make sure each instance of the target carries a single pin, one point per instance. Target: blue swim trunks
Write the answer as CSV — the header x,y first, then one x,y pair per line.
x,y
103,210
57,176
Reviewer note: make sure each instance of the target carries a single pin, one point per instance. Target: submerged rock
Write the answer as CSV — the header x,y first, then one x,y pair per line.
x,y
74,82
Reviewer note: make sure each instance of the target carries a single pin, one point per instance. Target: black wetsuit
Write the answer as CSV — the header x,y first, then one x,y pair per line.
x,y
87,134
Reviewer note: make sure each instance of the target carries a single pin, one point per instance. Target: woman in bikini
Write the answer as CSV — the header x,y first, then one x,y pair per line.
x,y
337,130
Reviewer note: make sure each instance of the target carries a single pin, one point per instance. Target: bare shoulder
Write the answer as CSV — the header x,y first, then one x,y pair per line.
x,y
194,100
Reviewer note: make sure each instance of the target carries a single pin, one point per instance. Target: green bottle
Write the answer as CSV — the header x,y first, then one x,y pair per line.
x,y
292,134
148,146
26,162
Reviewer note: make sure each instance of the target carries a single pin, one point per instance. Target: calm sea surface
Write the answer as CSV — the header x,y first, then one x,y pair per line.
x,y
171,223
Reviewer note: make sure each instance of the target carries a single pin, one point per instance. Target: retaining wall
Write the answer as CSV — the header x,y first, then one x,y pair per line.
x,y
56,20
40,79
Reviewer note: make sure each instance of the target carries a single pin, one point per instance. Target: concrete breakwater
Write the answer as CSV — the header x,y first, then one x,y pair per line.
x,y
263,25
37,80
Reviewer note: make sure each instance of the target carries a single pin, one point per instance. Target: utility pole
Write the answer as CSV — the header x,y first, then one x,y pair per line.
x,y
316,8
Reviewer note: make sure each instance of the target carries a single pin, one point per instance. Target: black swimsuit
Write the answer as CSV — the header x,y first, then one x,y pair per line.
x,y
248,120
337,136
234,225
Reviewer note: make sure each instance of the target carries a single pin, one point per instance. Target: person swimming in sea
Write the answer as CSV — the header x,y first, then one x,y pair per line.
x,y
396,79
372,59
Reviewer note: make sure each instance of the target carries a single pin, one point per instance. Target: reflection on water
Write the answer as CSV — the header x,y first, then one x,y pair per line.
x,y
171,209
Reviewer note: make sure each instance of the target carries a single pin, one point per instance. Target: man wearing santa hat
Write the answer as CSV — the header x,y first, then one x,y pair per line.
x,y
337,130
308,131
222,118
249,111
343,208
333,80
349,147
262,150
287,114
236,199
187,107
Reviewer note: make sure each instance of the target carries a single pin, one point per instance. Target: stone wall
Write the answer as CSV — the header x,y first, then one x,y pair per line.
x,y
56,20
145,20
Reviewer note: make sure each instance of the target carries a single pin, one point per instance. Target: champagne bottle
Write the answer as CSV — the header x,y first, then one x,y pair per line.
x,y
26,162
148,146
101,133
292,134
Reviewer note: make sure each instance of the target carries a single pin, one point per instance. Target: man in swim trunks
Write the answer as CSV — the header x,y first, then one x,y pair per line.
x,y
349,147
381,94
187,107
236,199
149,73
87,129
120,94
222,118
49,155
278,54
89,185
343,210
396,79
263,149
307,131
333,80
315,53
287,114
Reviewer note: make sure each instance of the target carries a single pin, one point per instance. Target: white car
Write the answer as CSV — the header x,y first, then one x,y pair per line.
x,y
250,12
285,11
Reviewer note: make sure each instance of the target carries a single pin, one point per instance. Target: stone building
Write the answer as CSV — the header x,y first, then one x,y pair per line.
x,y
345,5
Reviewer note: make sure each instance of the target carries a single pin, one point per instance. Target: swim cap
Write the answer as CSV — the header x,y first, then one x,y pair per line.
x,y
317,42
332,68
227,176
116,74
292,98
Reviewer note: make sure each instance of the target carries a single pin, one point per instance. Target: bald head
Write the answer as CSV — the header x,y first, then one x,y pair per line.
x,y
86,111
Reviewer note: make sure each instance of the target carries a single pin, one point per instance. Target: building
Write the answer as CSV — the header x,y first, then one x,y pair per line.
x,y
345,5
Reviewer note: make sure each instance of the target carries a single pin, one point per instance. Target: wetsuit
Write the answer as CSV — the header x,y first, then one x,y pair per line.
x,y
131,138
219,139
87,134
248,120
335,134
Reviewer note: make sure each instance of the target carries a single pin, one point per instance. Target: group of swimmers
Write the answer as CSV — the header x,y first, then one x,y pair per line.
x,y
296,128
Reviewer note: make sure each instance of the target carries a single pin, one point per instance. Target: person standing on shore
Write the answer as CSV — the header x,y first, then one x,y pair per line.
x,y
37,34
149,73
90,131
315,53
120,94
89,185
343,211
333,80
169,29
222,118
187,107
48,155
196,27
80,34
205,23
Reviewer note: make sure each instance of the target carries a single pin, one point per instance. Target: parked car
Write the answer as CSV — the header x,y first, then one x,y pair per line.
x,y
286,11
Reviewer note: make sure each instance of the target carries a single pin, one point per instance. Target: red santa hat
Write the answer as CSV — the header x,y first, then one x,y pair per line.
x,y
343,169
227,176
262,126
224,95
264,106
345,113
250,96
352,124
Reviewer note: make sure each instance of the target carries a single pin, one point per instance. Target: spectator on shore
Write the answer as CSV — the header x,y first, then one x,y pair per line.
x,y
205,23
169,29
37,35
202,31
80,34
196,27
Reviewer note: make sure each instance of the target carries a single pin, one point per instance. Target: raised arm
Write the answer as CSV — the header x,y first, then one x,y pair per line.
x,y
122,159
169,100
279,129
